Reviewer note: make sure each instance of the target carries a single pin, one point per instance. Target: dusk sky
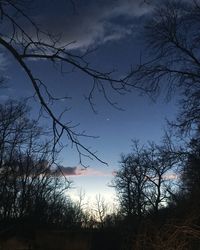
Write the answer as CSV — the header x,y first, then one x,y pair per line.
x,y
114,30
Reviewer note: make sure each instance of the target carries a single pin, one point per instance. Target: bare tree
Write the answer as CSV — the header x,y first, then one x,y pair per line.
x,y
145,180
31,187
190,177
101,210
130,182
173,63
161,175
25,41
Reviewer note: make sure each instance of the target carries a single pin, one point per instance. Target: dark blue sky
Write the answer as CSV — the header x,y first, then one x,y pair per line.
x,y
114,28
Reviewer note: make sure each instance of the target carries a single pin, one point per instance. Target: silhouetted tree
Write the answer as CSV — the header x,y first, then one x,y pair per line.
x,y
31,185
130,183
101,210
190,176
161,164
144,181
23,38
173,63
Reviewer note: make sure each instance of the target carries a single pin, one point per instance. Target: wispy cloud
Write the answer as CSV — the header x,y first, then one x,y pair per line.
x,y
94,22
79,171
68,171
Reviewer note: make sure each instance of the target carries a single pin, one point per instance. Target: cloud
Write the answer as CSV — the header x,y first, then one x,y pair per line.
x,y
68,171
90,23
79,171
94,172
93,22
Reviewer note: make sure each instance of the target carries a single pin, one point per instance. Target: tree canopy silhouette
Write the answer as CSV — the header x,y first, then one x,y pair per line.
x,y
32,189
173,63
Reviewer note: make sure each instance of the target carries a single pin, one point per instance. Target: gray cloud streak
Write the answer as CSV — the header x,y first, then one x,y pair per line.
x,y
94,22
68,171
79,171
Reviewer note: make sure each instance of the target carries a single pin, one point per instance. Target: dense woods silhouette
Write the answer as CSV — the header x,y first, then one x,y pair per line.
x,y
32,190
157,185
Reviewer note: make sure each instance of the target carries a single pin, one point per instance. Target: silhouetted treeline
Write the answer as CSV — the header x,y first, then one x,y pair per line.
x,y
157,185
32,188
158,190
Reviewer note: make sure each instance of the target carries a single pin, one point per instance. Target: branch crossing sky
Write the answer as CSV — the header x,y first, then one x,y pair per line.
x,y
113,29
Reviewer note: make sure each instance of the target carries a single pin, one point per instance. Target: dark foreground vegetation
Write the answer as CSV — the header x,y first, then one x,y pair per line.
x,y
158,185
